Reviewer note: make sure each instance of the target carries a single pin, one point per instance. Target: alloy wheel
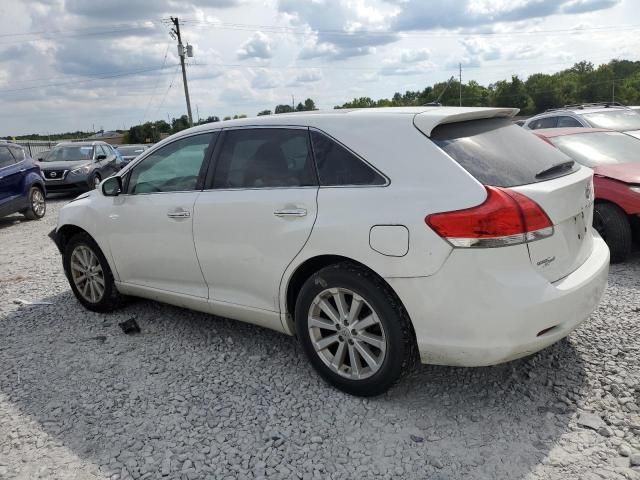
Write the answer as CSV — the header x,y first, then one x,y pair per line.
x,y
346,333
38,202
87,274
96,181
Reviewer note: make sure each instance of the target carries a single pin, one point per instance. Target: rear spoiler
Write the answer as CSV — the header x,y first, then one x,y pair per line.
x,y
427,121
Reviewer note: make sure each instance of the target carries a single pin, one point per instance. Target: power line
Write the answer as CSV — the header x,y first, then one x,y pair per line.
x,y
73,82
155,86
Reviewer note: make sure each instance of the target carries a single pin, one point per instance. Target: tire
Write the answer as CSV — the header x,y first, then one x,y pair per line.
x,y
85,247
95,181
37,204
614,227
350,282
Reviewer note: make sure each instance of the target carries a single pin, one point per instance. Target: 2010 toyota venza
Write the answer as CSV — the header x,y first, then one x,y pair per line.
x,y
376,236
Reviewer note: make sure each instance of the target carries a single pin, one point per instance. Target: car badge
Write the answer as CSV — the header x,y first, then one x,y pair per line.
x,y
53,174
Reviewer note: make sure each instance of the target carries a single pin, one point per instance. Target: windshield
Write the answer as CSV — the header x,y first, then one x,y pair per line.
x,y
599,148
131,151
70,153
621,120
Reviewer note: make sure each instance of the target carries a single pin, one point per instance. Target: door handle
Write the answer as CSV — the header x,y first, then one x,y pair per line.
x,y
291,212
179,214
23,170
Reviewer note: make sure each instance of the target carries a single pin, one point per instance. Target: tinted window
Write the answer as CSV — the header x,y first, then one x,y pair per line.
x,y
548,122
17,152
599,148
172,168
265,158
568,122
497,152
623,119
338,166
6,158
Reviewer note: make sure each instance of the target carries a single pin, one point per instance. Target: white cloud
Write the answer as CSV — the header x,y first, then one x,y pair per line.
x,y
258,46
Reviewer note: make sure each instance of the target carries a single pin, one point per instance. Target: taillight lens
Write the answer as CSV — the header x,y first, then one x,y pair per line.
x,y
505,218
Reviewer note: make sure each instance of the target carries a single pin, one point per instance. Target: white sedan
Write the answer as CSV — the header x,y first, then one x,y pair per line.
x,y
377,236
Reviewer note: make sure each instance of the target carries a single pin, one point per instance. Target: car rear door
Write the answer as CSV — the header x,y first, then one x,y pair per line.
x,y
150,225
10,180
255,215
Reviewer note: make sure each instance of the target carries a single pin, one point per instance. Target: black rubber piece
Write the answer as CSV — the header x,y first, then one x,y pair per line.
x,y
612,223
401,355
29,212
112,299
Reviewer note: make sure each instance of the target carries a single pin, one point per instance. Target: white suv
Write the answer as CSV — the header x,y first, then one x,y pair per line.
x,y
376,236
612,116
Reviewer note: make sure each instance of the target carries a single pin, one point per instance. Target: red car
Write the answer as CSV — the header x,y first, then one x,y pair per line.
x,y
615,160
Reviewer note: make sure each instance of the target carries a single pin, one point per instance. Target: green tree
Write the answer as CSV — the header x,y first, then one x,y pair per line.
x,y
309,105
264,112
283,109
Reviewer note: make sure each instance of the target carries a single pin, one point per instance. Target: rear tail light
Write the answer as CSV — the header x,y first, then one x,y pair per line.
x,y
505,218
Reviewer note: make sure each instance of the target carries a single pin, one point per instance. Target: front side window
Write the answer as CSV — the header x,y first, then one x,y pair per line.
x,y
338,166
17,152
172,168
6,158
265,158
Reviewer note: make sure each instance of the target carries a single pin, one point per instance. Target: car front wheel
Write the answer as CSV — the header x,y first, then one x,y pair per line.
x,y
89,274
96,180
354,330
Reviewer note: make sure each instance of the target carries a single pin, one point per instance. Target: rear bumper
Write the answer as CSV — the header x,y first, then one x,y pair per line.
x,y
491,306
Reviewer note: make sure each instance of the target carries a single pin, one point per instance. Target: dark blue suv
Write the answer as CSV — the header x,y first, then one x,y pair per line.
x,y
21,184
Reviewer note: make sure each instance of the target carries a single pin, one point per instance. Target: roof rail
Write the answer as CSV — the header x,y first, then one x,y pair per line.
x,y
582,106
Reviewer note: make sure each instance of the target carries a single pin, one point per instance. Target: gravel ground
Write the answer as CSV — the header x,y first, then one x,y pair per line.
x,y
195,396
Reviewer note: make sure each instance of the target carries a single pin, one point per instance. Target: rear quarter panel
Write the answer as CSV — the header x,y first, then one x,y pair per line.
x,y
423,180
618,193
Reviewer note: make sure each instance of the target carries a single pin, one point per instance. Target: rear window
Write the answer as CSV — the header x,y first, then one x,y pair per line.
x,y
497,152
623,120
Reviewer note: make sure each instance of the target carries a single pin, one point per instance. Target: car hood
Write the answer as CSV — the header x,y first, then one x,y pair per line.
x,y
623,172
62,165
633,133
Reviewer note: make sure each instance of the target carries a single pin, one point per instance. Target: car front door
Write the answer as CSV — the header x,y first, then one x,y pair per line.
x,y
255,215
150,224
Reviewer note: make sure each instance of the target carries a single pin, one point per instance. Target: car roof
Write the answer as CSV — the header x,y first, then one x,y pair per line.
x,y
429,116
80,144
560,132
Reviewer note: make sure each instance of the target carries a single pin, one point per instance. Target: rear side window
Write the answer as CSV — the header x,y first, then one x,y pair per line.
x,y
497,152
568,122
547,122
338,166
6,158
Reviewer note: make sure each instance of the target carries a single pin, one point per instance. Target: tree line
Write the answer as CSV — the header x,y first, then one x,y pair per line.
x,y
617,80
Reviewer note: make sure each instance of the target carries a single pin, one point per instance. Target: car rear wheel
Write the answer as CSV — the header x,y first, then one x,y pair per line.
x,y
89,275
37,204
613,226
354,330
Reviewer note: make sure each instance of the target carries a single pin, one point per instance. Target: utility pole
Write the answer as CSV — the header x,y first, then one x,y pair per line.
x,y
613,91
181,53
197,113
293,103
460,78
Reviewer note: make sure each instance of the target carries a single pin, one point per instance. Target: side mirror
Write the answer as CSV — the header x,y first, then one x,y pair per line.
x,y
112,186
100,157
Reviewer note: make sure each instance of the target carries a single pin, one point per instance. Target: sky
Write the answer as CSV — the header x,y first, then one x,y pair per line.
x,y
68,65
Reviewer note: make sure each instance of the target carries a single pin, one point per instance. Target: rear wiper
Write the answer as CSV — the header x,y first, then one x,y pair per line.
x,y
557,168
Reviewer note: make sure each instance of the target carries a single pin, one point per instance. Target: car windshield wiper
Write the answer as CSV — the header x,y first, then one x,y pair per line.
x,y
557,168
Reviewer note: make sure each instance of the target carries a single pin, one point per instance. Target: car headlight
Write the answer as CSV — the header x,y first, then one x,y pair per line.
x,y
635,189
83,169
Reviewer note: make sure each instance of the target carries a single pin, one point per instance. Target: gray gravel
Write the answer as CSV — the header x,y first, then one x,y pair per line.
x,y
195,396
